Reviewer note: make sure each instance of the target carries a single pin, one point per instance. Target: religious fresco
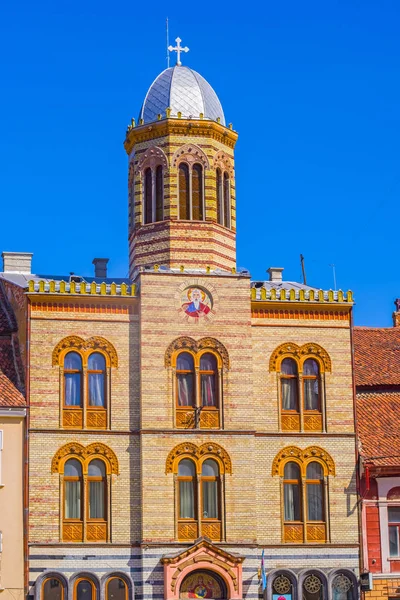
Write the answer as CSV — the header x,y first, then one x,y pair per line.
x,y
202,584
196,302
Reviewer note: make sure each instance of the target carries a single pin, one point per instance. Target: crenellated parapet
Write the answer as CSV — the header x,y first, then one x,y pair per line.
x,y
264,294
49,287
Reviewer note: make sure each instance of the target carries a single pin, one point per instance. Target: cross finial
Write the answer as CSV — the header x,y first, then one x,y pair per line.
x,y
178,49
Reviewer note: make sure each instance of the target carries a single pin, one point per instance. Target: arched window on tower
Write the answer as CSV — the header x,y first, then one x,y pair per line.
x,y
227,201
184,192
220,208
148,196
197,192
159,194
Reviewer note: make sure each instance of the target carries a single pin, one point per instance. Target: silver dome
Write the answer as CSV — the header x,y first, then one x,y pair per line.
x,y
182,90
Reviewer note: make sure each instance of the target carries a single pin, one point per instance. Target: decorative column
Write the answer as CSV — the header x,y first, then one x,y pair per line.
x,y
108,533
301,401
220,400
153,194
84,397
304,507
108,398
61,507
323,405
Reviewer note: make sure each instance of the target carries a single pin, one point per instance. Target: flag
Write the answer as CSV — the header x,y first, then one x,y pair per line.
x,y
263,573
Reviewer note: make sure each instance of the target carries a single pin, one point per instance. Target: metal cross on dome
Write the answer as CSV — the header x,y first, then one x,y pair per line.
x,y
178,49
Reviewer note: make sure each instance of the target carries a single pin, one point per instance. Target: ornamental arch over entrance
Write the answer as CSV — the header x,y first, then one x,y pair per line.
x,y
203,571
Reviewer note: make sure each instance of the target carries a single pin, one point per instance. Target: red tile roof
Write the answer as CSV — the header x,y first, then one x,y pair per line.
x,y
8,323
378,427
11,371
377,356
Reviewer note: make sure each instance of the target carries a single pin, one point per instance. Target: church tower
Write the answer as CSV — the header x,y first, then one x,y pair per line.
x,y
181,181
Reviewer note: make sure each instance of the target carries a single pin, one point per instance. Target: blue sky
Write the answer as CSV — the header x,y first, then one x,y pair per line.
x,y
312,87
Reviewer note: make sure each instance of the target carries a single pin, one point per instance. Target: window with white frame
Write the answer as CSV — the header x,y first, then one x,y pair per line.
x,y
394,530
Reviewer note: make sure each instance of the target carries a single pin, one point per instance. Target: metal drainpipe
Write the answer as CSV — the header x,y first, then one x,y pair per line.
x,y
26,452
359,501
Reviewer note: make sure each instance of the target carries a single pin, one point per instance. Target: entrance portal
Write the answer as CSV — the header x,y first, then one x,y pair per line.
x,y
203,584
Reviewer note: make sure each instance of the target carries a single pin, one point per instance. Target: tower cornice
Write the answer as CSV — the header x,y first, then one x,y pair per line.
x,y
181,127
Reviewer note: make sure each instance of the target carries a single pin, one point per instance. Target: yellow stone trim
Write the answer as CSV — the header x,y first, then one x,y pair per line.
x,y
196,348
74,343
300,354
289,295
93,288
198,454
85,455
303,458
180,127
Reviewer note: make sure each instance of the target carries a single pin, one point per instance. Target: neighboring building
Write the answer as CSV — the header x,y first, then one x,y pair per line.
x,y
12,439
187,418
377,376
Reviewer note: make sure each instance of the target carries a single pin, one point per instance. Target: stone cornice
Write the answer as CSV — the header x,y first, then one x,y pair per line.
x,y
183,127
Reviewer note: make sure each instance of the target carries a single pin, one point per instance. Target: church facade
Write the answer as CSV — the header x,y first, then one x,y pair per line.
x,y
186,420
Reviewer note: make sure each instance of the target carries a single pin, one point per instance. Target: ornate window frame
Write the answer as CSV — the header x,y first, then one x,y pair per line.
x,y
214,530
199,416
87,530
306,531
304,421
153,158
347,573
85,417
223,164
191,154
45,576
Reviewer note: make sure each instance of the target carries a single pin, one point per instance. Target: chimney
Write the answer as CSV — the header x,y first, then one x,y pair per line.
x,y
396,314
275,274
17,262
100,267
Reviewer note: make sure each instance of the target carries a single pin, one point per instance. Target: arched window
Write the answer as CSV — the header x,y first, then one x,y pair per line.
x,y
282,586
305,493
159,196
86,386
220,208
289,388
84,590
315,492
301,372
73,379
197,192
97,490
148,196
198,381
343,587
116,589
85,475
292,493
184,192
73,505
97,380
52,589
210,490
187,505
311,385
313,587
209,380
227,201
199,480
